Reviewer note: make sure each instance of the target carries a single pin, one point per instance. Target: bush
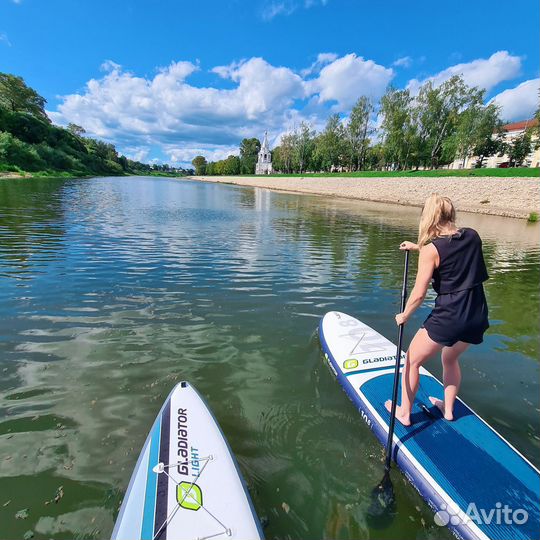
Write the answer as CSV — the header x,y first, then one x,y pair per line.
x,y
56,159
19,153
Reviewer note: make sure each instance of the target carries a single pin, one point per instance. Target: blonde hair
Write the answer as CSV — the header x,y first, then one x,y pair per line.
x,y
437,214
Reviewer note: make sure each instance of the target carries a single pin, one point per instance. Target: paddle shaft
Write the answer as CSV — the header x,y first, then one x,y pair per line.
x,y
396,371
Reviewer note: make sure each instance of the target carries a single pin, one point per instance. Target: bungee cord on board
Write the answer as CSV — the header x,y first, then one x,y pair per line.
x,y
160,468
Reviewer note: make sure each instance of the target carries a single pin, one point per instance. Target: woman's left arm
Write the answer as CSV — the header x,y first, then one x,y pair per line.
x,y
426,264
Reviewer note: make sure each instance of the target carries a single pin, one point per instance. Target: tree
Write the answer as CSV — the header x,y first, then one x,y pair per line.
x,y
199,162
76,130
518,149
231,165
475,127
488,147
437,111
249,151
330,144
283,155
303,144
399,133
17,97
357,133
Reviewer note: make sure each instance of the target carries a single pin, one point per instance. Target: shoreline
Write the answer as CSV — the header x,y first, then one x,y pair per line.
x,y
515,197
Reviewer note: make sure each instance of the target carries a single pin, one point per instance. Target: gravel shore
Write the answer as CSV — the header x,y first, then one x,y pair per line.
x,y
510,197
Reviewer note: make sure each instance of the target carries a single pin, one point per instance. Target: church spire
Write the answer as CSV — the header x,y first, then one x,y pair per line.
x,y
264,162
265,141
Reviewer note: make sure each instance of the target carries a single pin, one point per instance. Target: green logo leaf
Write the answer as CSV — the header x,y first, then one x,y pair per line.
x,y
351,363
189,496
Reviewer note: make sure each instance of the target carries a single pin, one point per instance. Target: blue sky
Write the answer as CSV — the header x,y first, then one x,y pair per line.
x,y
166,80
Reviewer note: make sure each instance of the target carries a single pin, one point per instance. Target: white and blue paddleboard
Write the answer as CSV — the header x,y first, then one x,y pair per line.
x,y
477,483
186,484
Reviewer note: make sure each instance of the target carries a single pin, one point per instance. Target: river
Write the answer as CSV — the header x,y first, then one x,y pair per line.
x,y
114,289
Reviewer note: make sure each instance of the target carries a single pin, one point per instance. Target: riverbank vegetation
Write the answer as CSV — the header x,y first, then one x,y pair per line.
x,y
512,172
31,145
423,131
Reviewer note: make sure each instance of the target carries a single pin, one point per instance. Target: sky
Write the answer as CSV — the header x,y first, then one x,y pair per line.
x,y
167,80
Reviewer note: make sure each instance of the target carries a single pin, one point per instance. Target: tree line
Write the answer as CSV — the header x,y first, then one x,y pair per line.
x,y
427,130
30,142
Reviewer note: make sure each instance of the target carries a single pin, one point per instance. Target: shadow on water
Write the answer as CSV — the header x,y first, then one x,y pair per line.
x,y
115,289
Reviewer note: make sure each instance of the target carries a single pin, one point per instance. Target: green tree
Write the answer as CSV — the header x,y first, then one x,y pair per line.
x,y
76,130
303,144
330,144
475,126
437,111
16,96
231,165
488,147
249,150
518,149
395,127
357,133
199,162
284,155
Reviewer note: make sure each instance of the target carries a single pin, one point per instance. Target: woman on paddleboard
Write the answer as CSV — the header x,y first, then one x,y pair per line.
x,y
451,259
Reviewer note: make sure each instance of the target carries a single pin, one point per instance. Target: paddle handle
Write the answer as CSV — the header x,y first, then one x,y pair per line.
x,y
396,370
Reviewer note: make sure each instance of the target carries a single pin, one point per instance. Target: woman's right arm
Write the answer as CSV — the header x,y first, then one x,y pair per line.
x,y
409,246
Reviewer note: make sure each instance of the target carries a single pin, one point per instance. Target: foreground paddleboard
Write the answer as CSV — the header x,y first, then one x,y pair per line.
x,y
478,484
186,484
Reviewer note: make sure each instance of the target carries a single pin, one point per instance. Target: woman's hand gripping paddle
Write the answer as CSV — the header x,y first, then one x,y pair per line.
x,y
382,496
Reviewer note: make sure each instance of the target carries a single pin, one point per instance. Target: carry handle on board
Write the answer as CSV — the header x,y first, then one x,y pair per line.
x,y
382,496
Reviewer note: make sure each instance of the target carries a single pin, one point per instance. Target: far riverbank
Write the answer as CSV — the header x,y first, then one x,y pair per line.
x,y
510,197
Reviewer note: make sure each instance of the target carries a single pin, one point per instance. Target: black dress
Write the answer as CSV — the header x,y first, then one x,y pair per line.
x,y
460,312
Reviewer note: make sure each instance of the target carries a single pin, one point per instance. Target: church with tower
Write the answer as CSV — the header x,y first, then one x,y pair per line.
x,y
264,160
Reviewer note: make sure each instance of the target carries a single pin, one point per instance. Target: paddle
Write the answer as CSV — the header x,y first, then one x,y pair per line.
x,y
382,496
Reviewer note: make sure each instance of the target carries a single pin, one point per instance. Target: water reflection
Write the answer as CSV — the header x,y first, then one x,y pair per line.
x,y
112,290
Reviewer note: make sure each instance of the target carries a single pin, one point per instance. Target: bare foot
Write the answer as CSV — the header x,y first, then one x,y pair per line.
x,y
405,419
440,405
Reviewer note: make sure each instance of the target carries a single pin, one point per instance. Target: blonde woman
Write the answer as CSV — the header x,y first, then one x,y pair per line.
x,y
452,260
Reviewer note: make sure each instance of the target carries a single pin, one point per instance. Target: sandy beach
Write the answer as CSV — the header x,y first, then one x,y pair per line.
x,y
509,197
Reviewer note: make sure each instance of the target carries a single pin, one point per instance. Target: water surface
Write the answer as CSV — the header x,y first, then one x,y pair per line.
x,y
114,289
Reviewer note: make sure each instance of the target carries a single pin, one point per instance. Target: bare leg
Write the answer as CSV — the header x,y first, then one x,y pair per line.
x,y
451,378
422,348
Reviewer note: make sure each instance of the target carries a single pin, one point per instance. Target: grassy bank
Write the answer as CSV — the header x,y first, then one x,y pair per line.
x,y
500,173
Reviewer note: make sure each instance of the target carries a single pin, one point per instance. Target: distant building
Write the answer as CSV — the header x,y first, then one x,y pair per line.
x,y
264,161
510,132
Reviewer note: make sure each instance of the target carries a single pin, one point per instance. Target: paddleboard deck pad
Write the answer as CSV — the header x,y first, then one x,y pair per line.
x,y
186,484
477,483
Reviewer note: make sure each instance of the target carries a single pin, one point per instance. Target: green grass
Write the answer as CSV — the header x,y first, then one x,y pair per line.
x,y
533,217
510,172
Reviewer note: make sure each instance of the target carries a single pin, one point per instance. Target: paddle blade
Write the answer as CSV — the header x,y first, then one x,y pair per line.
x,y
382,504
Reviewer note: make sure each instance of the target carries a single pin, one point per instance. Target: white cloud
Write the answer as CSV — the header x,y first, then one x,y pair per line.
x,y
184,154
167,111
322,60
485,73
137,153
404,61
347,78
274,8
4,39
519,103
